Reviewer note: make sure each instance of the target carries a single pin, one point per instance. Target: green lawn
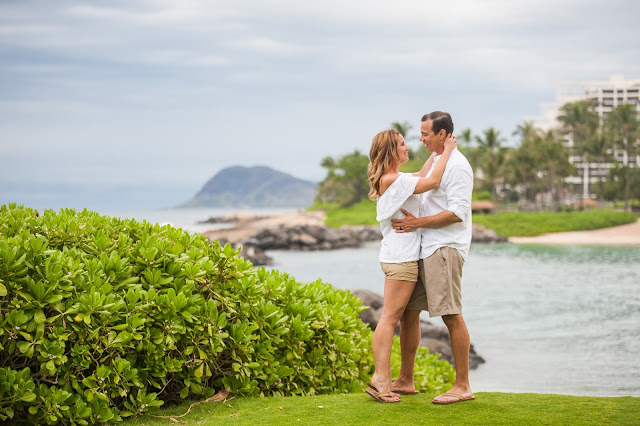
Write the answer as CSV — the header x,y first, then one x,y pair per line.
x,y
360,409
363,213
509,224
517,224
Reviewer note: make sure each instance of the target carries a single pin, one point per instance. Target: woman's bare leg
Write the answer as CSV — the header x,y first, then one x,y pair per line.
x,y
396,296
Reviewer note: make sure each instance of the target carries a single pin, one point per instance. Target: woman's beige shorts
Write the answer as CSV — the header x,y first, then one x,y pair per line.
x,y
405,271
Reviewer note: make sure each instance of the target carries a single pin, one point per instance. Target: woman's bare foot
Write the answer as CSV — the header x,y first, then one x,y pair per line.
x,y
380,385
403,387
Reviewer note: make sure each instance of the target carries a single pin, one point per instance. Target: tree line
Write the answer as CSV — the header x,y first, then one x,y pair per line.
x,y
531,175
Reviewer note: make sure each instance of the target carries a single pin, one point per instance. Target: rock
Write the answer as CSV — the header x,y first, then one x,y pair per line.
x,y
371,317
442,347
312,237
480,234
256,255
216,219
432,331
369,298
307,239
434,337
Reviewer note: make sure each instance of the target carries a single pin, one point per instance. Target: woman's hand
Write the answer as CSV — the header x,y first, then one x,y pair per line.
x,y
450,143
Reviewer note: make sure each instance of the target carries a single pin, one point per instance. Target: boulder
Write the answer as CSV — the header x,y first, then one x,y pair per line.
x,y
371,299
256,255
480,234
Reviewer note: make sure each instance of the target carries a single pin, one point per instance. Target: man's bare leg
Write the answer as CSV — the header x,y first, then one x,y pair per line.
x,y
460,344
409,342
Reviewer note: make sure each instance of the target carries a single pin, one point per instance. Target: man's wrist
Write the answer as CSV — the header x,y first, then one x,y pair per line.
x,y
421,222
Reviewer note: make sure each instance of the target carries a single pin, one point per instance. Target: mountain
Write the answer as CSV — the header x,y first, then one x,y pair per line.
x,y
254,187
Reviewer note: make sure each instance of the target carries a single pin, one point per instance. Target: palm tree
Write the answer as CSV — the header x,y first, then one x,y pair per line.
x,y
581,121
599,148
465,136
403,128
493,159
624,130
465,145
554,157
526,158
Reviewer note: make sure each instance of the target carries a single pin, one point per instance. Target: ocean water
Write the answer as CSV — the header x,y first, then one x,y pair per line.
x,y
189,218
547,319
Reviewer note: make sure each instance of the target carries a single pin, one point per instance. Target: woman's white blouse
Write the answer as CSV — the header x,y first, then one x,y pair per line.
x,y
404,247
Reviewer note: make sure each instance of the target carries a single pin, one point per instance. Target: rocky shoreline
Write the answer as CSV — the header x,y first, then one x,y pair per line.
x,y
434,337
304,232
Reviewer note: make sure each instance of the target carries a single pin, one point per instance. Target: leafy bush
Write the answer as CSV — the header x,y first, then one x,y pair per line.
x,y
481,196
103,318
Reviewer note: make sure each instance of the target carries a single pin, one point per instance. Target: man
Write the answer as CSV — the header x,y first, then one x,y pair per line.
x,y
446,237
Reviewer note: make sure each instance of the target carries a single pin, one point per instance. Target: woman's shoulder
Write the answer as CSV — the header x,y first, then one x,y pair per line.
x,y
387,180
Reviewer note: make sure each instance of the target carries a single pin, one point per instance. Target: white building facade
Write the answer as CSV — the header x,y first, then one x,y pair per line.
x,y
605,96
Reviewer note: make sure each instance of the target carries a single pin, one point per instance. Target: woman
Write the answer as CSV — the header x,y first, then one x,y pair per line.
x,y
400,252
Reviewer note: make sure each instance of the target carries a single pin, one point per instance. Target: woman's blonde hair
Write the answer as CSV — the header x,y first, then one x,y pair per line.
x,y
382,155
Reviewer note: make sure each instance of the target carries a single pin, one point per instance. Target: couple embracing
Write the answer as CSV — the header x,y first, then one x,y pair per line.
x,y
425,218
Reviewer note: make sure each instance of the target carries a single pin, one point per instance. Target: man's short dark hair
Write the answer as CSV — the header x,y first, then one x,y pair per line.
x,y
440,120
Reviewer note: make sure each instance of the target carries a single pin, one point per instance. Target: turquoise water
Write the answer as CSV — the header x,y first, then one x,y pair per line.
x,y
546,319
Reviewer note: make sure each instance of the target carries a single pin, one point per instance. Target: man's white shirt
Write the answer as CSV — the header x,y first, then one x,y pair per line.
x,y
453,194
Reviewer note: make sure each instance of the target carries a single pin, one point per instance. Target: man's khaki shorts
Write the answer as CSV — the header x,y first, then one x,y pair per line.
x,y
441,292
405,271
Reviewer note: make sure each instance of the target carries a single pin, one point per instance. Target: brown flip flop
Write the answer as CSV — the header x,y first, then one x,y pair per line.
x,y
452,394
399,392
379,396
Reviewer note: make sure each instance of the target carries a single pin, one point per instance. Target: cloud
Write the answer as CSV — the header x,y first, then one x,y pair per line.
x,y
193,86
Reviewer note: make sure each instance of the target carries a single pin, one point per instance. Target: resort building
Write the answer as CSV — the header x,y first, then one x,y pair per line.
x,y
605,96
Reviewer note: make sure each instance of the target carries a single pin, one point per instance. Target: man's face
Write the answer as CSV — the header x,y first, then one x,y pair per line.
x,y
431,141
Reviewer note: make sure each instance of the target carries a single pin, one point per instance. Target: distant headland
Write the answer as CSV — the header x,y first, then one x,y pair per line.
x,y
258,186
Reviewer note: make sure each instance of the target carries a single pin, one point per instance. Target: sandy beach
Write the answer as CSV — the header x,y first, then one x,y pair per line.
x,y
623,235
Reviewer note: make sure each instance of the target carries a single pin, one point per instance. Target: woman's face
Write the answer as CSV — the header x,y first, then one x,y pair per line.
x,y
403,150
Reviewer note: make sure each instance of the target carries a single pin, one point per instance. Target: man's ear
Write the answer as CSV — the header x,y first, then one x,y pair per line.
x,y
443,134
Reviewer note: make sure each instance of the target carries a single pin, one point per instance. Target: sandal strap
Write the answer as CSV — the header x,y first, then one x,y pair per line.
x,y
457,395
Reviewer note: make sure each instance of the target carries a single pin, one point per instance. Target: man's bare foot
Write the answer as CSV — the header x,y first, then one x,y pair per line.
x,y
456,394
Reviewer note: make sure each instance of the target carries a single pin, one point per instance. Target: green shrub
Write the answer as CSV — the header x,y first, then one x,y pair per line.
x,y
103,318
481,196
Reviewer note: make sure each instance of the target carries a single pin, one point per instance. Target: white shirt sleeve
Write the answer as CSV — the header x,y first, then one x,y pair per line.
x,y
393,198
459,189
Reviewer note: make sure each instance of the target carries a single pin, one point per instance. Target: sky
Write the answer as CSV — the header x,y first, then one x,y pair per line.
x,y
137,103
